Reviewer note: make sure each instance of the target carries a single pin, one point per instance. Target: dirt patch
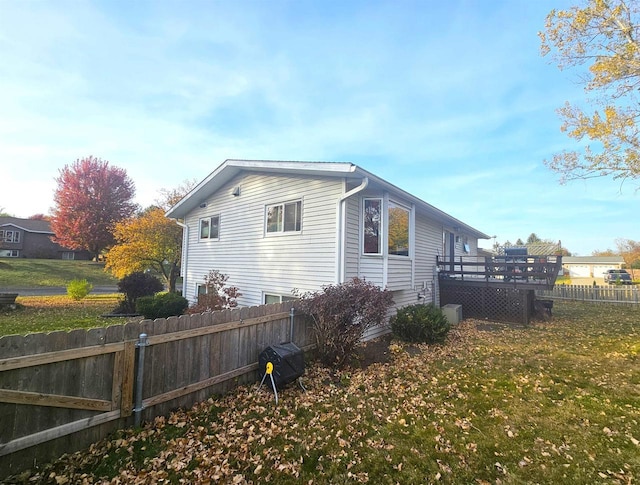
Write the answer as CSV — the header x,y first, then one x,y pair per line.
x,y
374,351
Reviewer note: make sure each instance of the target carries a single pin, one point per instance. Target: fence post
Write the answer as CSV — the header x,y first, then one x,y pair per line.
x,y
141,344
292,313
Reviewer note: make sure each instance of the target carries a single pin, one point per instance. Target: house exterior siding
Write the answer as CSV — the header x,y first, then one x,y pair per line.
x,y
33,241
329,248
257,262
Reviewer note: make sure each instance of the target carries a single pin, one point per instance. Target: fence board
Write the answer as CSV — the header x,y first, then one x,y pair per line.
x,y
65,388
596,294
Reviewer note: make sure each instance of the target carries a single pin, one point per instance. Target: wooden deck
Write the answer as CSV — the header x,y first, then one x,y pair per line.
x,y
519,272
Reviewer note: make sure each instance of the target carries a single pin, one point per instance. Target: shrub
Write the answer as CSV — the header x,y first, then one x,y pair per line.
x,y
342,314
216,296
162,305
78,289
420,323
134,286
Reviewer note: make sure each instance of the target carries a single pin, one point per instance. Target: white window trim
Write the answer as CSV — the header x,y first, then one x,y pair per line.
x,y
380,230
10,236
280,296
282,232
411,225
208,218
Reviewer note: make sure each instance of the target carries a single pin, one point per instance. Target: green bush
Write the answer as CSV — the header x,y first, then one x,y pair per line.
x,y
420,323
78,289
162,305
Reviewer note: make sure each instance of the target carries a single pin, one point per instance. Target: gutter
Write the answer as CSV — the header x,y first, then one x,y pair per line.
x,y
342,216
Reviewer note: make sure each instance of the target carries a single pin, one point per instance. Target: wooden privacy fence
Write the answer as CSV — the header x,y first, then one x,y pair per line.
x,y
62,391
599,294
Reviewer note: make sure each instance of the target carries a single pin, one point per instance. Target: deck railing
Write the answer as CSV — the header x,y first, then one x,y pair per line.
x,y
530,270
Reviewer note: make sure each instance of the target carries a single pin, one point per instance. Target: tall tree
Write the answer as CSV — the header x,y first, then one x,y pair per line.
x,y
533,238
147,241
170,197
90,198
630,251
602,36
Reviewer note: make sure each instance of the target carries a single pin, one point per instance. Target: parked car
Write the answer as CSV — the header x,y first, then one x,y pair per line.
x,y
618,276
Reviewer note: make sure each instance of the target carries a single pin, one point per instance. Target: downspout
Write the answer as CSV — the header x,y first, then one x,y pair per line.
x,y
342,216
185,252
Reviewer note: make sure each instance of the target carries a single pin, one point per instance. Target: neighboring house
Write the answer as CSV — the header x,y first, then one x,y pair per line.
x,y
274,227
31,238
590,266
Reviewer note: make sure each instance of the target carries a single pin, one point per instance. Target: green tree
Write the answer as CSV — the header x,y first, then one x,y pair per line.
x,y
533,238
601,36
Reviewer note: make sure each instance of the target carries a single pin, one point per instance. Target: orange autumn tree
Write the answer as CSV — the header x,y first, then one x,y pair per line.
x,y
149,241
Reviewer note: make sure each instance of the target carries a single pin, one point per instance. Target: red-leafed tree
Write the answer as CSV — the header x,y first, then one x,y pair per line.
x,y
90,198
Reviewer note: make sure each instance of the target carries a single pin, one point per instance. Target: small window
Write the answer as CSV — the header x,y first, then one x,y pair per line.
x,y
372,226
270,298
69,255
210,228
284,217
9,253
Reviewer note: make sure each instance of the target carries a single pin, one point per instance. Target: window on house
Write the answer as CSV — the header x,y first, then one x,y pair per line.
x,y
271,298
372,226
398,224
210,227
284,217
10,236
9,253
68,255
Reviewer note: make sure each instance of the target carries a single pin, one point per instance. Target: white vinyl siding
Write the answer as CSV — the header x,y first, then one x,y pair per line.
x,y
254,261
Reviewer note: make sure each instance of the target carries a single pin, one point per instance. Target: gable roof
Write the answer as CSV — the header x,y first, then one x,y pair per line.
x,y
230,168
27,225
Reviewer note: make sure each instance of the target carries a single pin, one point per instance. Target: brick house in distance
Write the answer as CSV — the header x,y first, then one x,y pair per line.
x,y
31,238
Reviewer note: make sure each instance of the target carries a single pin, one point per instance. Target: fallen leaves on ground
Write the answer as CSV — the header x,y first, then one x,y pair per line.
x,y
555,402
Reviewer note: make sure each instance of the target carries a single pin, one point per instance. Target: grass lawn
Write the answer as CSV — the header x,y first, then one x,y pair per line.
x,y
28,273
555,402
50,313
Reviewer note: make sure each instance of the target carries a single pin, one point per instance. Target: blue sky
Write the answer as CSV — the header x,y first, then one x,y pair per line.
x,y
450,101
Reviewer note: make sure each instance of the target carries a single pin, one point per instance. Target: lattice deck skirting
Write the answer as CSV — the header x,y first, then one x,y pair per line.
x,y
495,303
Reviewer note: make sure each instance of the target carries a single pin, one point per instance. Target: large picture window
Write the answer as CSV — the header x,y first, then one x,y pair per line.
x,y
210,227
284,217
372,228
398,223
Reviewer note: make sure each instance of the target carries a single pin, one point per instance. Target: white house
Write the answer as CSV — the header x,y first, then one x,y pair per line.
x,y
590,266
275,226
